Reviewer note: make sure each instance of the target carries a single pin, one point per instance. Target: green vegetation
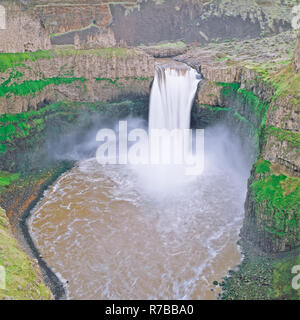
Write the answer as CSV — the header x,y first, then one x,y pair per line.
x,y
283,277
9,60
222,59
256,106
6,178
21,133
229,87
23,280
279,196
255,112
108,79
261,277
252,281
287,84
53,35
240,118
13,64
214,109
101,52
281,76
265,70
33,86
262,167
293,138
179,44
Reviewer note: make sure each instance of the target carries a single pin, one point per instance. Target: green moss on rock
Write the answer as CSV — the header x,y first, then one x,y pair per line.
x,y
277,196
283,278
293,138
23,278
31,87
11,60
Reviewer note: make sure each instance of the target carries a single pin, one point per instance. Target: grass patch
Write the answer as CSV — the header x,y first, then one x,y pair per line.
x,y
283,277
293,138
102,52
30,87
222,59
6,178
9,60
279,196
287,84
179,44
23,280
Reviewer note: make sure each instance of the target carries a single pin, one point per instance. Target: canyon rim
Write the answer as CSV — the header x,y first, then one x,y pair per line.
x,y
69,69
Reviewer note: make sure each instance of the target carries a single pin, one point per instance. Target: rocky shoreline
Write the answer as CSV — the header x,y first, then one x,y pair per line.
x,y
250,81
29,190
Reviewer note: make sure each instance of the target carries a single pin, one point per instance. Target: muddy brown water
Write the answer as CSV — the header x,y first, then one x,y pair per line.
x,y
98,228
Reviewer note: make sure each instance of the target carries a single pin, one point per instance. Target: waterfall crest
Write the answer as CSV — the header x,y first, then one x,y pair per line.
x,y
172,157
172,95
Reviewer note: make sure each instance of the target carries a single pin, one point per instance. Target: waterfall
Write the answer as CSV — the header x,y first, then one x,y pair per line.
x,y
172,156
172,95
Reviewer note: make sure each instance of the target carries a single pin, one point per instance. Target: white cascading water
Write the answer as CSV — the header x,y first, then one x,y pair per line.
x,y
150,232
173,91
172,95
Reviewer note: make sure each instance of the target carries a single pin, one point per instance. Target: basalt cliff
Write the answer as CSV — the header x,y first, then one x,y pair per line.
x,y
64,65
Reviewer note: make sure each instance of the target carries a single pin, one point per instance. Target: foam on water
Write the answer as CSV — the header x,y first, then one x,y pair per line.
x,y
117,242
144,232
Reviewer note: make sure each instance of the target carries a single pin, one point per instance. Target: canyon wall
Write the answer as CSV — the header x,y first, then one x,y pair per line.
x,y
102,23
35,79
296,60
23,30
263,97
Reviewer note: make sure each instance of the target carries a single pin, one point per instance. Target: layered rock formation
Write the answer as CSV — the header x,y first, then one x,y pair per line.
x,y
252,84
23,31
93,75
296,61
261,91
103,23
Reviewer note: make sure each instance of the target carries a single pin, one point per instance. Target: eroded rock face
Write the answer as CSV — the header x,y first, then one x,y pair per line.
x,y
100,78
104,23
23,31
296,61
238,79
202,21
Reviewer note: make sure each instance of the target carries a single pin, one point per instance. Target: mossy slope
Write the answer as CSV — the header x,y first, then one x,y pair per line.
x,y
23,279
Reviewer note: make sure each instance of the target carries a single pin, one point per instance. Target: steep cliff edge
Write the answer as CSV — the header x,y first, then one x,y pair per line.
x,y
262,91
31,80
107,23
254,86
